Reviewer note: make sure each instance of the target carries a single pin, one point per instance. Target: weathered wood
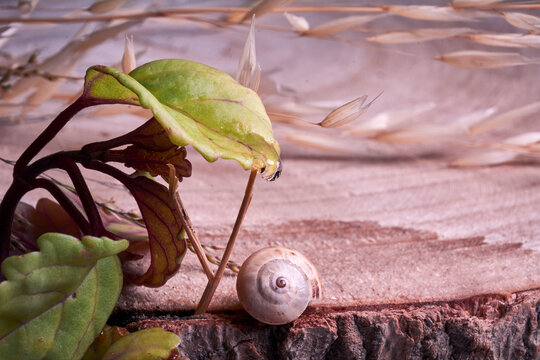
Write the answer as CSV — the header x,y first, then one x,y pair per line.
x,y
400,238
485,327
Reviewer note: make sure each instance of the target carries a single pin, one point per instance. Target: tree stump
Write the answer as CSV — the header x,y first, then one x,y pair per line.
x,y
418,259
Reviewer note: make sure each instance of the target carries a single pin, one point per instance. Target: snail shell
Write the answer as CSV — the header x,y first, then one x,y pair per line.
x,y
276,284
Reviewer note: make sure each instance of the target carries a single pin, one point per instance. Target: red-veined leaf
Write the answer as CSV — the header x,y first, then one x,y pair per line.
x,y
167,245
166,241
153,162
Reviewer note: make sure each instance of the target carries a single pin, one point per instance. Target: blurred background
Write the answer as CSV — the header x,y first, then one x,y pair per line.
x,y
445,140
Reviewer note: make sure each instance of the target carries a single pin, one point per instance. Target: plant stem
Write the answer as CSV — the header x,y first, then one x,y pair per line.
x,y
7,211
213,284
87,201
48,134
65,202
186,222
173,12
188,227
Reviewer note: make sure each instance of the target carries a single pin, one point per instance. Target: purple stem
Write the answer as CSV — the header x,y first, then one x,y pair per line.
x,y
88,203
9,203
23,183
109,170
49,133
66,203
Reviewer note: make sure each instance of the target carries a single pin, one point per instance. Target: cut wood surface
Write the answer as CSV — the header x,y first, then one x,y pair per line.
x,y
385,225
380,231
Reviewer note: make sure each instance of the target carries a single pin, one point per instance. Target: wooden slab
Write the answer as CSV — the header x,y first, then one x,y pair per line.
x,y
393,230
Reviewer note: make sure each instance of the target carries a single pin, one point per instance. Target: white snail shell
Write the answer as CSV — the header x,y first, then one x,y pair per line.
x,y
276,284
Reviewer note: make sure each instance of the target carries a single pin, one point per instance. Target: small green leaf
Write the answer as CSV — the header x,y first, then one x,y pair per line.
x,y
149,344
196,105
56,301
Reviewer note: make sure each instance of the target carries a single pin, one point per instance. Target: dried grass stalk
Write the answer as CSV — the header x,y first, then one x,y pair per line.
x,y
472,3
418,35
425,133
523,21
340,25
432,13
297,108
509,150
128,58
27,6
472,59
278,115
418,134
299,23
104,6
505,118
249,72
318,142
388,119
6,32
258,9
485,158
346,113
62,63
508,40
465,122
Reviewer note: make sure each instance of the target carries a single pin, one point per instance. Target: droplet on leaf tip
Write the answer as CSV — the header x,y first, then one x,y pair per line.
x,y
275,175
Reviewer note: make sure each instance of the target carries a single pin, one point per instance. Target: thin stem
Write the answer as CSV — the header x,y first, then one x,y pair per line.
x,y
88,203
188,226
8,206
48,134
213,284
172,12
66,160
186,222
65,202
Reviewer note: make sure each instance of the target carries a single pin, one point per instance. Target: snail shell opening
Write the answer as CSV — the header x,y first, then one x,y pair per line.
x,y
276,284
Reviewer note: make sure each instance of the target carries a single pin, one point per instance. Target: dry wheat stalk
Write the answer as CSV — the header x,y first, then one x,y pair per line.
x,y
391,127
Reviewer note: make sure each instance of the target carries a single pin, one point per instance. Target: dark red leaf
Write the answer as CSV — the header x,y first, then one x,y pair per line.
x,y
167,246
163,223
154,162
150,136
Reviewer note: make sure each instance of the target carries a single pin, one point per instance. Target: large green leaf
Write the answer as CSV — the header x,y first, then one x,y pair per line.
x,y
195,104
56,301
149,344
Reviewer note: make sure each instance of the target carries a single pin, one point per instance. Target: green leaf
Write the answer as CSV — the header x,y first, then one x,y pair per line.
x,y
149,344
56,301
196,105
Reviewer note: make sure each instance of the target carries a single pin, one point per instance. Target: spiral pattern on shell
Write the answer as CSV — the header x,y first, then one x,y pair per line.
x,y
276,284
